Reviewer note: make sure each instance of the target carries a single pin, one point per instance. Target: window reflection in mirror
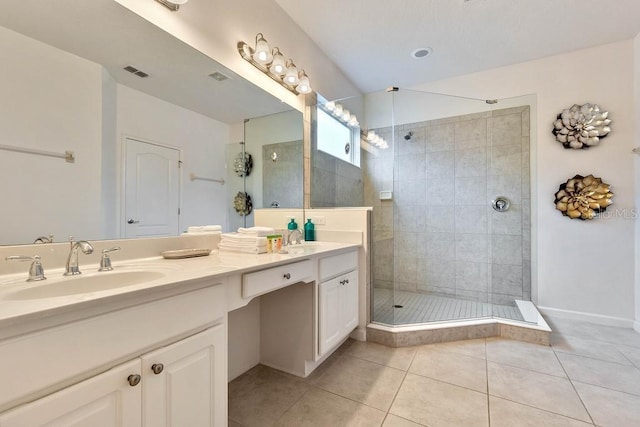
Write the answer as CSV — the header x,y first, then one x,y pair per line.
x,y
336,176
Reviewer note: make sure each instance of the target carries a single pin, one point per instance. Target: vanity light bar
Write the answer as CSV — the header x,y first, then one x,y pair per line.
x,y
342,114
272,63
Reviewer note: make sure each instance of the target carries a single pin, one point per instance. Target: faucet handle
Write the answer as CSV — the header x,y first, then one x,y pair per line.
x,y
105,261
36,271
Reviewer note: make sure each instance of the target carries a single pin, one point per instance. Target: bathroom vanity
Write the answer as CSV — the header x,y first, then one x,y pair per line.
x,y
149,347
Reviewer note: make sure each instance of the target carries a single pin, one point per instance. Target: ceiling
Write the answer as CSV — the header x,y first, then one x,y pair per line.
x,y
371,40
104,32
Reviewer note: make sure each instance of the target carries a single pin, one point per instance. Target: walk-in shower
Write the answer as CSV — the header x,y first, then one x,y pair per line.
x,y
451,206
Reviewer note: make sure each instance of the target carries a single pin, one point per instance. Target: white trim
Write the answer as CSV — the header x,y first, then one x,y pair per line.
x,y
600,319
636,325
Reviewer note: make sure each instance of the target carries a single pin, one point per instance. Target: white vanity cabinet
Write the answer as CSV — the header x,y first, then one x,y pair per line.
x,y
106,400
185,384
161,363
177,385
337,299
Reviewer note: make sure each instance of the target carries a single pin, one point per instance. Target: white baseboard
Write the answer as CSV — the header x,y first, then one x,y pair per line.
x,y
599,319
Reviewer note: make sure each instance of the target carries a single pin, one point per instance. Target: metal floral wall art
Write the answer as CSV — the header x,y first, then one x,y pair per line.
x,y
582,197
242,203
242,164
581,126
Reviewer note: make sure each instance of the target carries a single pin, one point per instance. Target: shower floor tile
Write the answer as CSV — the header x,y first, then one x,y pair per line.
x,y
424,308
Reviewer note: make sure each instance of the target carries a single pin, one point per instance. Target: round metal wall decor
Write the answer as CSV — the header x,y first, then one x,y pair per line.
x,y
581,126
243,164
582,197
242,203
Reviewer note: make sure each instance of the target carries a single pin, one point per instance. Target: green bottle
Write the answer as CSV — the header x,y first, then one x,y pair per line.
x,y
309,231
293,225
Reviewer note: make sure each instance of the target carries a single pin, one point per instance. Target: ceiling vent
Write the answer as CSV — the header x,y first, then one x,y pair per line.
x,y
421,53
134,70
218,76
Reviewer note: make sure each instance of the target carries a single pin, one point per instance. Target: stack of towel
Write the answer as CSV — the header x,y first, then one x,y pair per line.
x,y
249,240
203,229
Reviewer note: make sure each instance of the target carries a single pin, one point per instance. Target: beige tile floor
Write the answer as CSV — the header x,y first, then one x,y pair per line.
x,y
589,376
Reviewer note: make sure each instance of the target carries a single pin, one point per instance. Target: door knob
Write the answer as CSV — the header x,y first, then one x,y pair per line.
x,y
131,221
134,380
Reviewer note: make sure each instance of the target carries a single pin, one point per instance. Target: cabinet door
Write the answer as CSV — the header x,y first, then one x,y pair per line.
x,y
185,384
106,400
338,309
349,300
330,324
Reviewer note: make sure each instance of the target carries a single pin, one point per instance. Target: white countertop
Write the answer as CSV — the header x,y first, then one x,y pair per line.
x,y
178,275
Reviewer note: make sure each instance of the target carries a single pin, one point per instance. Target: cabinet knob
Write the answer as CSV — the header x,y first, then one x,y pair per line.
x,y
134,380
287,276
343,282
132,221
157,368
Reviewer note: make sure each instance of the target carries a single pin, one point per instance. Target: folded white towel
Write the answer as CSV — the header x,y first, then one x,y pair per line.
x,y
246,239
201,233
244,249
203,228
257,231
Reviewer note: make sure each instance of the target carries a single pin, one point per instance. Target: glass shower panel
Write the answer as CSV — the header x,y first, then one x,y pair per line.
x,y
441,245
508,187
377,163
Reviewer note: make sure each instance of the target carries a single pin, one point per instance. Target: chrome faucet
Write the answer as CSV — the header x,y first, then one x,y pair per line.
x,y
44,239
295,233
71,268
36,271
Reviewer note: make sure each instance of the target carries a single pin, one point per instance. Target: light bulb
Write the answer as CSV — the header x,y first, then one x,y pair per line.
x,y
330,106
262,53
353,121
371,135
338,110
291,77
277,65
346,115
303,83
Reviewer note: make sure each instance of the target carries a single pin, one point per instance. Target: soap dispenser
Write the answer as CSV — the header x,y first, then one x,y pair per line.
x,y
293,233
309,231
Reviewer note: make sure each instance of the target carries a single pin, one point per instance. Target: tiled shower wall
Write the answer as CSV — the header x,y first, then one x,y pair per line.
x,y
282,178
440,234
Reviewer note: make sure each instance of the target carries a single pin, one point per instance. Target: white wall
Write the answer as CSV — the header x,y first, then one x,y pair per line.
x,y
51,100
215,27
585,267
201,140
636,92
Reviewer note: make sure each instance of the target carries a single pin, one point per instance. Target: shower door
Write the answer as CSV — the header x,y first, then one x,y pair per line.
x,y
441,251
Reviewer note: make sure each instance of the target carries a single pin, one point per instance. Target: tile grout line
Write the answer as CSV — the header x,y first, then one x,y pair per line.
x,y
395,396
486,370
573,386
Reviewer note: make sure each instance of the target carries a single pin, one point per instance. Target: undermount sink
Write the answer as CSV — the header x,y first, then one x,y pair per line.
x,y
84,284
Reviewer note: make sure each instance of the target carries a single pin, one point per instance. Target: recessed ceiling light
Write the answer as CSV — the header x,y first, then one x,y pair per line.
x,y
421,53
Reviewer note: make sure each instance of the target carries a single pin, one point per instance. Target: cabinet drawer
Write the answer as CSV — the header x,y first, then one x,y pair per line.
x,y
335,265
261,282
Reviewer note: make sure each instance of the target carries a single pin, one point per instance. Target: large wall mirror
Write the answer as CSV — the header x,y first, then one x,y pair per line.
x,y
93,78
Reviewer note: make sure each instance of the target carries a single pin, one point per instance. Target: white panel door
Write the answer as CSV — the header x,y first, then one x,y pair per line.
x,y
330,322
106,400
185,383
349,301
152,190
